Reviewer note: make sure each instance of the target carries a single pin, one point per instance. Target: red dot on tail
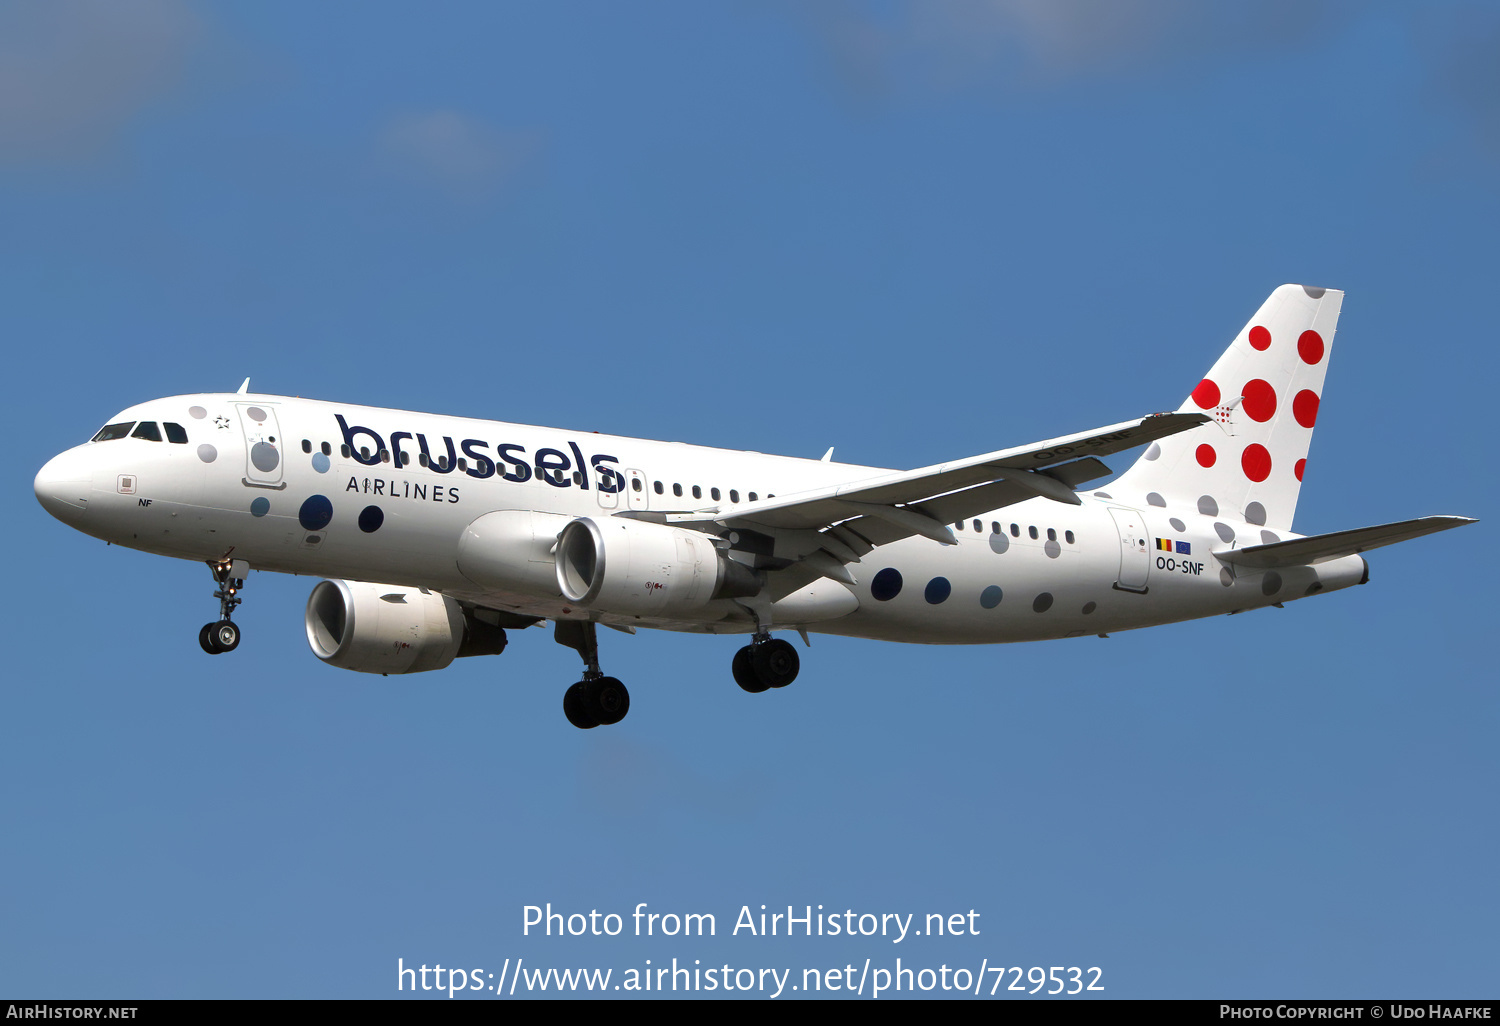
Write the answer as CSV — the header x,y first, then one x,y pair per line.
x,y
1298,469
1260,400
1260,338
1206,456
1256,462
1310,347
1305,408
1206,395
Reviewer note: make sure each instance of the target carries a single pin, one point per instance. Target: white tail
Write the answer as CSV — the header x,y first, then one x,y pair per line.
x,y
1263,395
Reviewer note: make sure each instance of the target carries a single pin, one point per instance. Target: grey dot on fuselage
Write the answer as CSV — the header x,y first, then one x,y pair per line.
x,y
1208,506
1089,607
1225,532
1255,514
264,457
1225,577
1052,549
999,542
197,412
991,596
1314,293
1177,525
255,413
1103,495
1271,583
207,453
1155,499
1267,537
1154,452
1043,602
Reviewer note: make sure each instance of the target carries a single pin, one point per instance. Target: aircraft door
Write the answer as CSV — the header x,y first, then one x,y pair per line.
x,y
1135,552
263,446
636,483
608,499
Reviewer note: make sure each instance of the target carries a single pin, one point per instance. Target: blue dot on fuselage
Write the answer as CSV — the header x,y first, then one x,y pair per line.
x,y
938,590
260,506
320,463
886,585
370,519
990,597
315,513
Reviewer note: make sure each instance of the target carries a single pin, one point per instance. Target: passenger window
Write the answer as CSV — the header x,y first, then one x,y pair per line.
x,y
577,474
635,483
1015,530
1052,534
463,464
978,526
1031,531
385,455
109,432
656,485
344,451
422,459
176,433
306,445
677,490
714,494
752,496
326,449
697,492
364,452
994,527
148,430
959,526
1069,536
406,459
734,495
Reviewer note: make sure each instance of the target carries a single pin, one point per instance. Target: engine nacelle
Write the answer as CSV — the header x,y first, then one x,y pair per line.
x,y
636,568
389,628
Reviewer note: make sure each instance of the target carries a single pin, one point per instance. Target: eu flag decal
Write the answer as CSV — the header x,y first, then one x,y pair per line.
x,y
1184,549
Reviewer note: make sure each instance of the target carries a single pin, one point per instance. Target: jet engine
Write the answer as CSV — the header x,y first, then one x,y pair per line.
x,y
635,568
388,628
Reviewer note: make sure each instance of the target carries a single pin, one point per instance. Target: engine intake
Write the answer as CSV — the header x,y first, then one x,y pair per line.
x,y
388,628
631,567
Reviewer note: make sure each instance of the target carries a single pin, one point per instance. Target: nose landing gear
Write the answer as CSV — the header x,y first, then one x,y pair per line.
x,y
765,663
222,635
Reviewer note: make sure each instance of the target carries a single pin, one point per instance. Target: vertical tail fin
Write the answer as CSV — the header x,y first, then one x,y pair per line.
x,y
1263,395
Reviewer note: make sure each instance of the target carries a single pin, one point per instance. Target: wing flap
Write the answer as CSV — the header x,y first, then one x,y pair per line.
x,y
1320,548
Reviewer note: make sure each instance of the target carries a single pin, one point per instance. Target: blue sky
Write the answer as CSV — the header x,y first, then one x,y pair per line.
x,y
914,231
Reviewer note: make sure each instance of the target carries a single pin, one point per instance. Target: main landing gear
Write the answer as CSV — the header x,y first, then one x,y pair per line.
x,y
223,635
766,662
597,700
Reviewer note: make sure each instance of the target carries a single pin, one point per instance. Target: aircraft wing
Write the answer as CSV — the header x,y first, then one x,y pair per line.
x,y
1320,548
899,504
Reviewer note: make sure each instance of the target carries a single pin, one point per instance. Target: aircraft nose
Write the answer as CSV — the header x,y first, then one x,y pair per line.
x,y
63,485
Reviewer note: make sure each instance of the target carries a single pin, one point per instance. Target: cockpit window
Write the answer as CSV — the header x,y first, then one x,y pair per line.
x,y
175,433
148,430
109,432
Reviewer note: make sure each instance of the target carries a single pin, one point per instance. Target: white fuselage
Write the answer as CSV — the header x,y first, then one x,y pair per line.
x,y
309,487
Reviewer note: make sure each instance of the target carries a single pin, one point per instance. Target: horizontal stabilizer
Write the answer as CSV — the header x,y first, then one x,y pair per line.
x,y
1322,547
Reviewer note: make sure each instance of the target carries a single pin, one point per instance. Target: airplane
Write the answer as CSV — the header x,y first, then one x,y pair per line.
x,y
437,535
